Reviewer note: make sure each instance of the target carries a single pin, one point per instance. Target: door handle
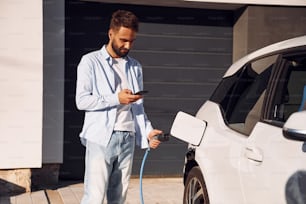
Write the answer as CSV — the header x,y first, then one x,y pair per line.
x,y
254,154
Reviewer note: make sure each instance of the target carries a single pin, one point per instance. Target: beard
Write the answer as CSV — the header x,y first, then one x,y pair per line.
x,y
121,52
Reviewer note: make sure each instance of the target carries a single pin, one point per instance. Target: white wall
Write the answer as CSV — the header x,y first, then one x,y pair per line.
x,y
21,83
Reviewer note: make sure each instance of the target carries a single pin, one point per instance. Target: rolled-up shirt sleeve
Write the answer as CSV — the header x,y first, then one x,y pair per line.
x,y
86,98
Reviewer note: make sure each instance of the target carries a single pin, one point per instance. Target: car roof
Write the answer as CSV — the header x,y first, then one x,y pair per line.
x,y
283,45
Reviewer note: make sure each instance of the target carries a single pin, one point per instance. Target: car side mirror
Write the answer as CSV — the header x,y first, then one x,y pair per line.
x,y
188,128
295,128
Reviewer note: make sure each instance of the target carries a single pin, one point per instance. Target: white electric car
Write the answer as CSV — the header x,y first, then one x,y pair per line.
x,y
246,143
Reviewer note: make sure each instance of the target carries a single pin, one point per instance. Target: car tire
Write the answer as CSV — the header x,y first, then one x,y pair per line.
x,y
195,191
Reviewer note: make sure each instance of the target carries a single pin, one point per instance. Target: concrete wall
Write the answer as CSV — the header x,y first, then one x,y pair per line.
x,y
258,26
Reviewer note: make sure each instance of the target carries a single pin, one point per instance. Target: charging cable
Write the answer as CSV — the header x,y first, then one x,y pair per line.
x,y
141,173
162,138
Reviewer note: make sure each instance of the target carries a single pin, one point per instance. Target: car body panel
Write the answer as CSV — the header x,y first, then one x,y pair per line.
x,y
230,170
218,156
280,159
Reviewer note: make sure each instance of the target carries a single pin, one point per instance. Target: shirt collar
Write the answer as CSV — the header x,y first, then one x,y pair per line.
x,y
107,57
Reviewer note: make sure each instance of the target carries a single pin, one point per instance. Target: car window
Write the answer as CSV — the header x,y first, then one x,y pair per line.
x,y
290,89
241,96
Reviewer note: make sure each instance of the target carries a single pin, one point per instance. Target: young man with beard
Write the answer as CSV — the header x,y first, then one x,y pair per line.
x,y
114,116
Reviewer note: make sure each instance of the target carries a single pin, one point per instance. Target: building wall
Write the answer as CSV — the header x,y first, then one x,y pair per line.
x,y
258,26
21,87
21,84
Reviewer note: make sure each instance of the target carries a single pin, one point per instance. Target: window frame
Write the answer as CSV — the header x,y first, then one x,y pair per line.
x,y
281,70
271,88
238,78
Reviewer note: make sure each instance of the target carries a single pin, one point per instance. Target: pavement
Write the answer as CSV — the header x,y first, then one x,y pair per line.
x,y
155,191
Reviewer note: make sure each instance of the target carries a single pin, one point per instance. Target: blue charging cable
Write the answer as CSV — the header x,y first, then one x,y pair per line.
x,y
160,137
141,173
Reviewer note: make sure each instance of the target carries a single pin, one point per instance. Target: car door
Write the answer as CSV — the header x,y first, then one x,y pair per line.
x,y
268,159
240,97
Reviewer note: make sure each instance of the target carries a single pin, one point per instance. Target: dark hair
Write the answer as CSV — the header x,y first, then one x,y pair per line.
x,y
124,18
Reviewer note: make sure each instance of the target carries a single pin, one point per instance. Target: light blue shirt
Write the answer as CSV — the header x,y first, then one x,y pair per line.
x,y
96,94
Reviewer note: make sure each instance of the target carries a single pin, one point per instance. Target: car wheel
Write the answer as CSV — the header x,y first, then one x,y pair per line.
x,y
195,189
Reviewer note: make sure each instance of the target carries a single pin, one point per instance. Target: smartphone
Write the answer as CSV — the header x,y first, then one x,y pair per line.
x,y
141,92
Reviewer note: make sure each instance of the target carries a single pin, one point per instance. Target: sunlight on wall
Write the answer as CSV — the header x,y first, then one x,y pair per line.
x,y
21,83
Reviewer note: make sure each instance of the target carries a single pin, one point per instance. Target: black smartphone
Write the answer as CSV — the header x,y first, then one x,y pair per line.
x,y
141,92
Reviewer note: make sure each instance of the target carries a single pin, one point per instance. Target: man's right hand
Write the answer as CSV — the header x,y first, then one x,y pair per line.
x,y
126,97
154,143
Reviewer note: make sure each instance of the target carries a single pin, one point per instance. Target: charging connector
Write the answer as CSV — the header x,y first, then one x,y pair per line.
x,y
160,137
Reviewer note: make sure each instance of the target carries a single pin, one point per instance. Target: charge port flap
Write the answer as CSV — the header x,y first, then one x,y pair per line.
x,y
188,128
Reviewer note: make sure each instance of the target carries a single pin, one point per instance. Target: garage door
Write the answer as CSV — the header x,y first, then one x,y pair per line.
x,y
183,56
184,53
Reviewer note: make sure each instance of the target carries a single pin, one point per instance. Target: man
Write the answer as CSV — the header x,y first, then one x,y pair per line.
x,y
114,116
